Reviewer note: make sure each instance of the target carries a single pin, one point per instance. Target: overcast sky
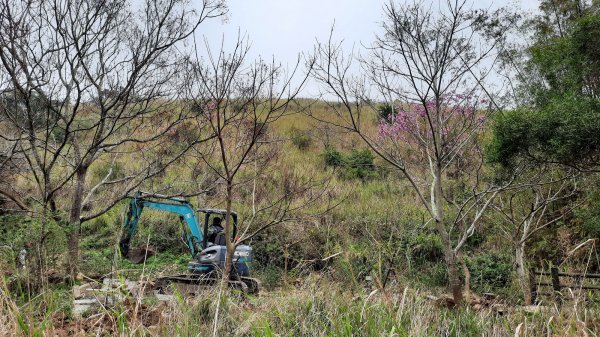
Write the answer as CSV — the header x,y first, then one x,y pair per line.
x,y
284,28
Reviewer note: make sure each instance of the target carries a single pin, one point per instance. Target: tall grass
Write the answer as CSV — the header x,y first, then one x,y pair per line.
x,y
316,308
327,311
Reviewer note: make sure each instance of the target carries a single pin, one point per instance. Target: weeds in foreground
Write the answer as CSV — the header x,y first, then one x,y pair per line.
x,y
317,308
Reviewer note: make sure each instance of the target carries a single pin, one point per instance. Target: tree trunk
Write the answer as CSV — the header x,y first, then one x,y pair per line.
x,y
521,271
449,254
39,247
453,275
75,222
228,263
467,274
451,264
228,242
228,256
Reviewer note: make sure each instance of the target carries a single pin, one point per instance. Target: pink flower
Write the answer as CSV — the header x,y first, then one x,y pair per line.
x,y
417,121
211,105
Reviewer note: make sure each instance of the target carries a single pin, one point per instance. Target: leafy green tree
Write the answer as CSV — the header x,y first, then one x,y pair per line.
x,y
556,121
562,75
564,131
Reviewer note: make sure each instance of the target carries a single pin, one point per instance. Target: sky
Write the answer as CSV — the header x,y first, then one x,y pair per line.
x,y
282,29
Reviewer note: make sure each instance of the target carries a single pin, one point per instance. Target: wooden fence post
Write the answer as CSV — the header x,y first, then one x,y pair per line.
x,y
532,285
556,284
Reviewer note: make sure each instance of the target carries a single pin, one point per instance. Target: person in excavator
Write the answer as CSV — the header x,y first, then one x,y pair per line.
x,y
214,231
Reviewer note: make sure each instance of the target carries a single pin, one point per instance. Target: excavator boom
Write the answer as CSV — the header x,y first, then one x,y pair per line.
x,y
194,238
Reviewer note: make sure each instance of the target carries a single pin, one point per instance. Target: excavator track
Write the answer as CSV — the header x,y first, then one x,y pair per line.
x,y
247,285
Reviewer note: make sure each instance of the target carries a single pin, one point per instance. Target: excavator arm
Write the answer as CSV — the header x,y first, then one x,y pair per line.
x,y
194,238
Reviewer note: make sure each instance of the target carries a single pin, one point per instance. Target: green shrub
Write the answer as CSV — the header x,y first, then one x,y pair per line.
x,y
270,277
474,241
301,138
385,112
164,230
333,157
588,216
267,249
357,164
99,225
360,164
592,227
425,247
438,274
16,231
96,260
490,271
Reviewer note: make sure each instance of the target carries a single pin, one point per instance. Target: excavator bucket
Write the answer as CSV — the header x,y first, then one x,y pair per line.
x,y
139,254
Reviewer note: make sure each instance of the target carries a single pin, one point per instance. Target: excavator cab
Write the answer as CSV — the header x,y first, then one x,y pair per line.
x,y
214,242
214,226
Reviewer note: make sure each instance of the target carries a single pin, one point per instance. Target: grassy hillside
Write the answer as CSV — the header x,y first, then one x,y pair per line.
x,y
385,270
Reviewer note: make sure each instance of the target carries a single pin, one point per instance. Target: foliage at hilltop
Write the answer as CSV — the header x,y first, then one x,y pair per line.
x,y
562,82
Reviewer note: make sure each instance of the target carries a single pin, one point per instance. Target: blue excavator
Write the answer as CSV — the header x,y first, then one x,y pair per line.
x,y
206,242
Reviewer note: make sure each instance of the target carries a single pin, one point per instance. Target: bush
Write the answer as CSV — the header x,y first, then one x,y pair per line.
x,y
385,112
165,234
333,157
431,274
490,272
267,249
426,248
591,227
475,240
588,215
271,277
353,267
98,226
301,138
358,164
16,231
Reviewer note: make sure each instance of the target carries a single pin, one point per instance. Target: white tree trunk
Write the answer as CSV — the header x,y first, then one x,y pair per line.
x,y
521,271
438,214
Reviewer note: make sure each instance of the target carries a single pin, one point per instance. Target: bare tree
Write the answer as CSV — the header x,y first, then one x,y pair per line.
x,y
240,100
90,82
9,166
429,68
531,208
